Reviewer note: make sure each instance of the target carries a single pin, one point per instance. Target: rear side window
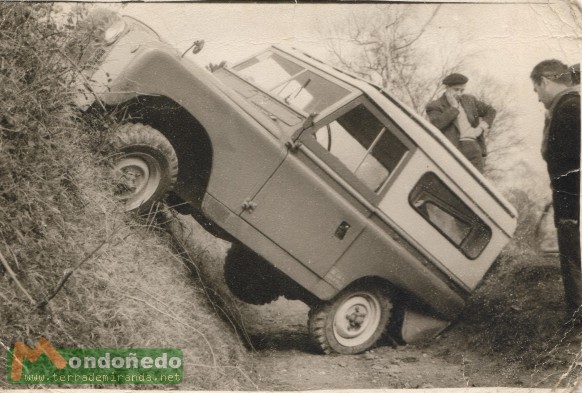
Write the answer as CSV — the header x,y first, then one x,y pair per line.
x,y
437,204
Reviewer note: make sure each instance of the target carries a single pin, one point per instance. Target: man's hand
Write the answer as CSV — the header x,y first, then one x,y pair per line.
x,y
453,101
475,132
483,126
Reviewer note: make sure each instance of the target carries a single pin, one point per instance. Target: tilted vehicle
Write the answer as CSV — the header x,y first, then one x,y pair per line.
x,y
331,191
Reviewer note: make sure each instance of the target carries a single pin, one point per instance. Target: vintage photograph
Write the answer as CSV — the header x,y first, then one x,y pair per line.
x,y
290,196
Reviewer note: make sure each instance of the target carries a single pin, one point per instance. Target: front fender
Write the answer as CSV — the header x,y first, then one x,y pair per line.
x,y
247,145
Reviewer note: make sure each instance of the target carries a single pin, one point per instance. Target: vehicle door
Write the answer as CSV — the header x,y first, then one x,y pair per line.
x,y
320,199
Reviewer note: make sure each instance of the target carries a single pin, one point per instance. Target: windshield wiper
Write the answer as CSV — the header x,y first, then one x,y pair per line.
x,y
303,86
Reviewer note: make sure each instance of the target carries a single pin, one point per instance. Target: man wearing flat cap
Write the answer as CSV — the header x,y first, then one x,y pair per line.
x,y
463,119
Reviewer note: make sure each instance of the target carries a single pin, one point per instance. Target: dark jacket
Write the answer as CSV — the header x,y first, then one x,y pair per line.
x,y
442,115
562,155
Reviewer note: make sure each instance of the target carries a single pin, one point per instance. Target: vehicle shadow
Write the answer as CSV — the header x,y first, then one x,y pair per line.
x,y
283,341
280,325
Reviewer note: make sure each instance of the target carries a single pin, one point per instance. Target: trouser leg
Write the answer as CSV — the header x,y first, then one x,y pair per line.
x,y
569,246
472,151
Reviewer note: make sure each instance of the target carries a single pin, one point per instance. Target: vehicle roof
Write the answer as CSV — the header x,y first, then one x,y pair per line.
x,y
403,115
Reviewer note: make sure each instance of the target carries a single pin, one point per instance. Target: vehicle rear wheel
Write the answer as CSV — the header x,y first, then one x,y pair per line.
x,y
249,277
353,321
146,166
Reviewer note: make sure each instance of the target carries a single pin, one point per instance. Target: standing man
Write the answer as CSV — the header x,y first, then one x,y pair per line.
x,y
463,119
552,82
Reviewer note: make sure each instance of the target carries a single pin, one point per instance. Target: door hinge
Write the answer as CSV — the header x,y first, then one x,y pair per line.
x,y
309,120
248,205
293,146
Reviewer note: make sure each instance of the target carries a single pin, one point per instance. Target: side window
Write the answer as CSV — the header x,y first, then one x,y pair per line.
x,y
364,144
434,201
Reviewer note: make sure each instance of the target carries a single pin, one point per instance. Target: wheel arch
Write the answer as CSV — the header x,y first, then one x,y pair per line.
x,y
382,282
401,298
187,135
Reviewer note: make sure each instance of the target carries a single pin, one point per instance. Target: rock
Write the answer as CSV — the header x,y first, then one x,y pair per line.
x,y
395,369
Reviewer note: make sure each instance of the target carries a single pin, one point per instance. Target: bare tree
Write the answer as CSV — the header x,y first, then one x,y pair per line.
x,y
385,46
381,46
503,142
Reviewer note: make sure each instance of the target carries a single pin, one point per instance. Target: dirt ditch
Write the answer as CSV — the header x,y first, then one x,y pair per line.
x,y
511,334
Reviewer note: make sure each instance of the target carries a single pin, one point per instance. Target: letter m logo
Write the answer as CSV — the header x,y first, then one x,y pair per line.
x,y
23,351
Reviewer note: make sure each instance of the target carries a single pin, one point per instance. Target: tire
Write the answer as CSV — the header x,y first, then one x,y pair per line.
x,y
249,277
146,166
353,321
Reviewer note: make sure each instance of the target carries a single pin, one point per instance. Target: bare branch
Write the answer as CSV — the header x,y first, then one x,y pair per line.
x,y
385,45
15,279
68,274
422,29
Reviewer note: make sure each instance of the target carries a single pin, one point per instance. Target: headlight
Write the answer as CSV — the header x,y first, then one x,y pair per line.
x,y
114,31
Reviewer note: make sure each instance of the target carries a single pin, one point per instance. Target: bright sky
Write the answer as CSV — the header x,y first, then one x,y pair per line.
x,y
506,40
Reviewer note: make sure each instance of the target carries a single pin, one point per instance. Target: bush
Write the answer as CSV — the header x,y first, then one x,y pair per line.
x,y
517,312
529,213
46,177
127,287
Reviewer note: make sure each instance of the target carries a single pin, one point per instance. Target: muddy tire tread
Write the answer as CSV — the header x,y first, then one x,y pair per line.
x,y
320,322
137,136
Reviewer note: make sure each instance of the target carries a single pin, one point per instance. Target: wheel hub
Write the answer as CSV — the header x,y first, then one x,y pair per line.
x,y
137,180
133,176
356,319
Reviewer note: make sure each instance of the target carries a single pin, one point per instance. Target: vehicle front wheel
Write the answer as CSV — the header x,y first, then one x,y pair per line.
x,y
351,322
146,166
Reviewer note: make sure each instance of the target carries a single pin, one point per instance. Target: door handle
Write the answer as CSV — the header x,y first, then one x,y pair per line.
x,y
342,229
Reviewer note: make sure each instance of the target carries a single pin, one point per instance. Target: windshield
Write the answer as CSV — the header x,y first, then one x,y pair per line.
x,y
292,83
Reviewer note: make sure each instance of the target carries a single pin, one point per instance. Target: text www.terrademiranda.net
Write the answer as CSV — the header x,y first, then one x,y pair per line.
x,y
102,378
45,364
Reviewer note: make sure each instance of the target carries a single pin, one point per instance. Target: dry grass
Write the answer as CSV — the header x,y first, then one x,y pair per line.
x,y
516,316
127,288
205,254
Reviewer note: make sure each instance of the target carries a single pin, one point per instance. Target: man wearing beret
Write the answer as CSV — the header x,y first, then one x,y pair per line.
x,y
463,119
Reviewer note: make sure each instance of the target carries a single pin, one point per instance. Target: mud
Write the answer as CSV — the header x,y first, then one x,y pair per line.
x,y
511,334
